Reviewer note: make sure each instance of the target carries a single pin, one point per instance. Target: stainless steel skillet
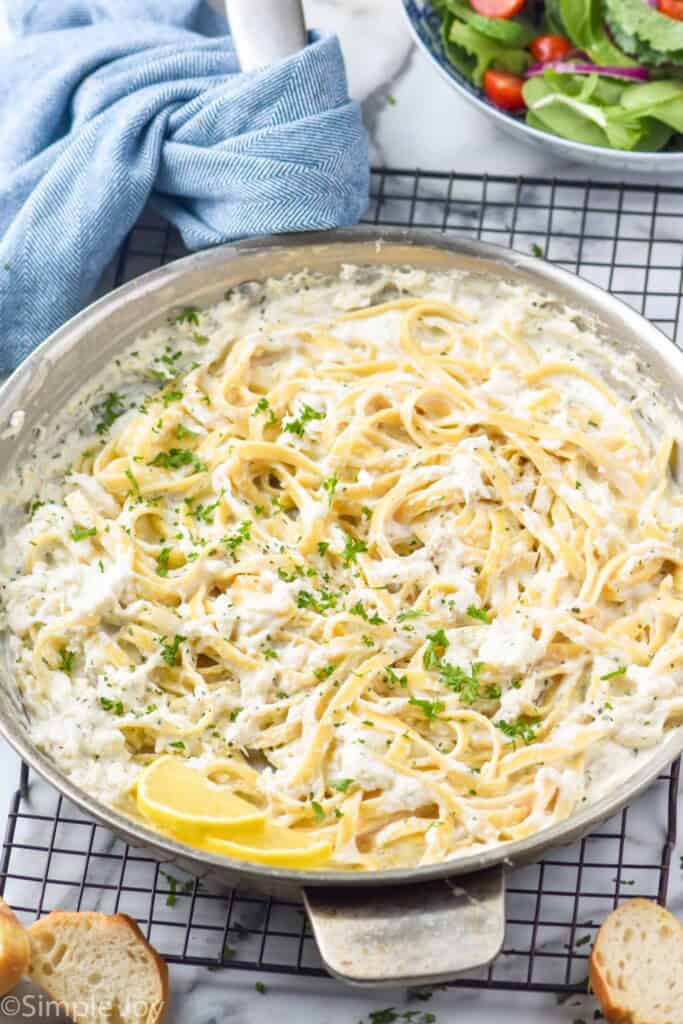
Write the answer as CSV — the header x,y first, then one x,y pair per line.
x,y
403,926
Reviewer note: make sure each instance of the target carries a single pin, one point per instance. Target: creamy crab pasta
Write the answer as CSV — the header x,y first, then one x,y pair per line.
x,y
395,555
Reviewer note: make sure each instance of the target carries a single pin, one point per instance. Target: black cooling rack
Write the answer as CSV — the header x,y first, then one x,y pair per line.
x,y
627,238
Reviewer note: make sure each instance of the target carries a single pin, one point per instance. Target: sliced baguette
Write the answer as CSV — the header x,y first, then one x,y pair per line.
x,y
98,967
15,950
636,967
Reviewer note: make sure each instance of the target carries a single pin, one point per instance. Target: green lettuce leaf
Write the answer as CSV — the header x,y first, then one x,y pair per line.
x,y
644,32
584,22
468,48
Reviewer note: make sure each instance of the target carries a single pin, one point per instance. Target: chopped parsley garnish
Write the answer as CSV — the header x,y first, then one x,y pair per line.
x,y
493,692
410,613
456,679
112,705
173,459
81,532
330,487
204,513
437,644
182,432
263,406
188,315
171,396
366,512
318,812
324,673
341,785
235,540
134,484
323,545
478,613
170,652
431,709
359,609
325,601
270,654
289,577
297,425
109,410
66,660
352,548
393,678
522,728
162,561
36,504
617,672
234,714
452,676
177,745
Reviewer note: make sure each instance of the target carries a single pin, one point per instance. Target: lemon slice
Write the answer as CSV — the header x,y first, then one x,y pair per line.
x,y
182,800
275,845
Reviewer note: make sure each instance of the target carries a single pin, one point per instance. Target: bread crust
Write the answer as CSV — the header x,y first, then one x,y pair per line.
x,y
63,920
15,949
614,1011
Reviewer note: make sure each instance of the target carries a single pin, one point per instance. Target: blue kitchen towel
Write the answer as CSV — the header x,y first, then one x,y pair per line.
x,y
106,104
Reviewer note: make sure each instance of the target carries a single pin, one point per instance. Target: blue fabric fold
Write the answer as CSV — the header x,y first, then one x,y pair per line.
x,y
108,104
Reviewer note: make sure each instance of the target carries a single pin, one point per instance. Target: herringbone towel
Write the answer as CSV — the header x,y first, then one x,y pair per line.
x,y
107,104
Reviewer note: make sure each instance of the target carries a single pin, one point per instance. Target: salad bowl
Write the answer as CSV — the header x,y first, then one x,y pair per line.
x,y
426,27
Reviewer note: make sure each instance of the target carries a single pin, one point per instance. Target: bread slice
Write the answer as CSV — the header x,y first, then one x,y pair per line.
x,y
99,967
15,950
636,968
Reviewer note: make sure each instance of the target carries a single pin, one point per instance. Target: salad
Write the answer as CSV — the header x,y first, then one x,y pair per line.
x,y
601,72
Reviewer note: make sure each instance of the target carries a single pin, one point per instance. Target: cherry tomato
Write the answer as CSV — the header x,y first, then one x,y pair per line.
x,y
672,8
504,89
498,8
548,48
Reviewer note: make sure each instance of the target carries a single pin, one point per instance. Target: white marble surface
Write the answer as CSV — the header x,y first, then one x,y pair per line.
x,y
414,119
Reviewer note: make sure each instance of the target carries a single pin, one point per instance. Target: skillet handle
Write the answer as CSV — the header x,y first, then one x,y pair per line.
x,y
409,934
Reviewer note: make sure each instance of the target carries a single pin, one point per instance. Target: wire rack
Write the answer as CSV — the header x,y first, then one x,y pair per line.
x,y
628,239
